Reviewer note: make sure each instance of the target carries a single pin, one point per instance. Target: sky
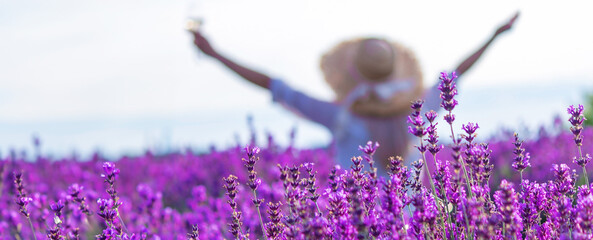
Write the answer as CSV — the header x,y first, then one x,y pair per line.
x,y
123,76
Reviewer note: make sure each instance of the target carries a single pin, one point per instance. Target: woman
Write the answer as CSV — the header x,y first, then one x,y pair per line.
x,y
374,81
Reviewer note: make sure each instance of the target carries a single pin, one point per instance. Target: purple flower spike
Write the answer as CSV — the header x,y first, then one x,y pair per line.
x,y
110,170
449,118
433,137
370,148
521,160
431,115
448,91
576,120
416,121
57,207
576,112
23,202
507,202
564,181
253,185
417,128
585,213
582,161
251,151
75,189
417,105
470,128
194,234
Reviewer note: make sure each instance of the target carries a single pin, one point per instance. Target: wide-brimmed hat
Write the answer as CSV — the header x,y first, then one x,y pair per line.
x,y
342,74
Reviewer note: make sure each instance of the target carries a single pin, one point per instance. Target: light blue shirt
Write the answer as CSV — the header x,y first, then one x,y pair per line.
x,y
349,130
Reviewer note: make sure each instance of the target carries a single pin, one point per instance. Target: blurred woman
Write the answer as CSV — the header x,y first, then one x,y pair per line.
x,y
374,81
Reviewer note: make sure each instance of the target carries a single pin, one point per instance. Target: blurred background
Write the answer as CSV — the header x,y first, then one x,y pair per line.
x,y
124,76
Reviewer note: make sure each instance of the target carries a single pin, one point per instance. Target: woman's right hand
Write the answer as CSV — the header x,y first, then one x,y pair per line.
x,y
202,43
507,25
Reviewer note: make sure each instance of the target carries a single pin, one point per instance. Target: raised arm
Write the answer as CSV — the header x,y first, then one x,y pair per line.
x,y
469,62
432,95
322,112
250,75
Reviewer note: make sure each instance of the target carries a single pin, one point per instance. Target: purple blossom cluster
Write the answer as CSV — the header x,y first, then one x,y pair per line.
x,y
500,189
147,196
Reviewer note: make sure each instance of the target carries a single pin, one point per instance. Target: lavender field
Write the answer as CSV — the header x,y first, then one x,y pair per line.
x,y
503,188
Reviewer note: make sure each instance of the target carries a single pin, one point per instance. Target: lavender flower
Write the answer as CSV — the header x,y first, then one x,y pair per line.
x,y
194,234
534,201
561,213
582,161
448,92
470,129
584,209
311,188
417,167
426,213
275,228
18,182
576,120
508,206
433,138
75,191
106,210
110,175
54,234
417,128
564,182
253,182
369,148
231,185
22,202
521,160
57,208
175,198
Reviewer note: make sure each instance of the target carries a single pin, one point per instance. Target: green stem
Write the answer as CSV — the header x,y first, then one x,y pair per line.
x,y
434,191
121,221
32,228
467,179
586,177
261,221
318,209
584,170
445,204
446,207
466,221
521,183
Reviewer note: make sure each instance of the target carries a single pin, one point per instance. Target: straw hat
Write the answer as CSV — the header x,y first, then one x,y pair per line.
x,y
365,60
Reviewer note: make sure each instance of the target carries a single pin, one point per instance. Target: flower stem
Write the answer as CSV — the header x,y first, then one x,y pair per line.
x,y
434,191
468,181
121,221
261,221
521,172
584,169
586,177
32,228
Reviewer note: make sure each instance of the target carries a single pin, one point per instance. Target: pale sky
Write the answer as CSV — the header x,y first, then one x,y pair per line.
x,y
112,62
